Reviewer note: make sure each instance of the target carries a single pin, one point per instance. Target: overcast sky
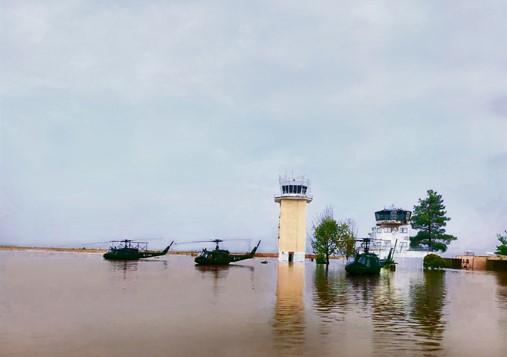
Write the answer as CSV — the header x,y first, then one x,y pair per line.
x,y
174,119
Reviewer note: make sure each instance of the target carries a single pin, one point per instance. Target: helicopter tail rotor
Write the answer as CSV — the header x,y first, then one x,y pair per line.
x,y
255,249
168,247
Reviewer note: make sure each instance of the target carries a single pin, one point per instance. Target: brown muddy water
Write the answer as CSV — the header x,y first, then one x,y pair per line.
x,y
71,304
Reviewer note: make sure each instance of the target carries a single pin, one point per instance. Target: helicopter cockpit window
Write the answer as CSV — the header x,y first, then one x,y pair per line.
x,y
364,260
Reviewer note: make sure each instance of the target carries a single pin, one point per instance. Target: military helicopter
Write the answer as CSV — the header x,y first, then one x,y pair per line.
x,y
221,256
132,250
368,263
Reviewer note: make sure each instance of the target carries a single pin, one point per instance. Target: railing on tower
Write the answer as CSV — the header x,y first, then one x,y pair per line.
x,y
294,188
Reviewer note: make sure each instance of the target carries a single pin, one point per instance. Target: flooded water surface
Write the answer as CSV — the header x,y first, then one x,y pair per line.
x,y
76,304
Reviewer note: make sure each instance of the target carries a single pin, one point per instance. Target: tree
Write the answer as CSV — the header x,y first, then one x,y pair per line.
x,y
429,219
502,248
325,233
433,261
347,234
331,237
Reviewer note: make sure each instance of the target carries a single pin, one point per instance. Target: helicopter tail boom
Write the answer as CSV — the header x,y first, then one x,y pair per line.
x,y
252,253
168,247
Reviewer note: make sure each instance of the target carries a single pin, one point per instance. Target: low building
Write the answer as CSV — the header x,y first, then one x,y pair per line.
x,y
482,262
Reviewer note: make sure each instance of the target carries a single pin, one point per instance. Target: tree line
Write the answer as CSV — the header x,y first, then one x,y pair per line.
x,y
429,218
333,237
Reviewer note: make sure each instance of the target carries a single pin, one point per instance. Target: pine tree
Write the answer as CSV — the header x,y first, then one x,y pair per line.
x,y
429,219
502,248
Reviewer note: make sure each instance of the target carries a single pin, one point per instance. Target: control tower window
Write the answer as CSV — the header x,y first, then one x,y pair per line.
x,y
294,189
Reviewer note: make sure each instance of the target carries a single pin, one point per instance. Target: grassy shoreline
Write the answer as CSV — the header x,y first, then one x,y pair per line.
x,y
52,249
102,251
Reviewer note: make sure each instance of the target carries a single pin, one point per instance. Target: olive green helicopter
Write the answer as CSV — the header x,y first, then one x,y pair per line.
x,y
369,263
221,256
132,250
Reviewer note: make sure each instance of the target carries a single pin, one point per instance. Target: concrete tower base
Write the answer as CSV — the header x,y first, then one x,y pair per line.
x,y
291,257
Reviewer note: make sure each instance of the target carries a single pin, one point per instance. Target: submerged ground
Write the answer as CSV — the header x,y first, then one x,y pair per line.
x,y
71,304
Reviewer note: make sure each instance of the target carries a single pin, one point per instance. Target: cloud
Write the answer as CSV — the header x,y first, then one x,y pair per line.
x,y
499,106
136,118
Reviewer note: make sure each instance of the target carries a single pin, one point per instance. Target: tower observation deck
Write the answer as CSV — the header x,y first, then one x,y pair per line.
x,y
293,198
392,216
297,188
392,228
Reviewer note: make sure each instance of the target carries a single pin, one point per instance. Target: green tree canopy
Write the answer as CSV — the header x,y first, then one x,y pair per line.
x,y
346,240
331,237
325,232
502,248
433,261
429,218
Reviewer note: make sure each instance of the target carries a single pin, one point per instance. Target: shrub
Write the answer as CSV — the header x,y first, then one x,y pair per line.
x,y
433,261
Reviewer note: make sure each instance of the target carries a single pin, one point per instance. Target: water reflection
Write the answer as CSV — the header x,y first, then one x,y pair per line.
x,y
428,298
501,292
216,271
361,290
129,268
125,267
330,294
132,265
392,334
69,305
219,274
405,319
221,271
289,324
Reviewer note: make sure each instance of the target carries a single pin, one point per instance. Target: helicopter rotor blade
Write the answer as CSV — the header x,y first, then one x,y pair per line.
x,y
237,239
134,240
137,240
97,243
195,241
213,241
